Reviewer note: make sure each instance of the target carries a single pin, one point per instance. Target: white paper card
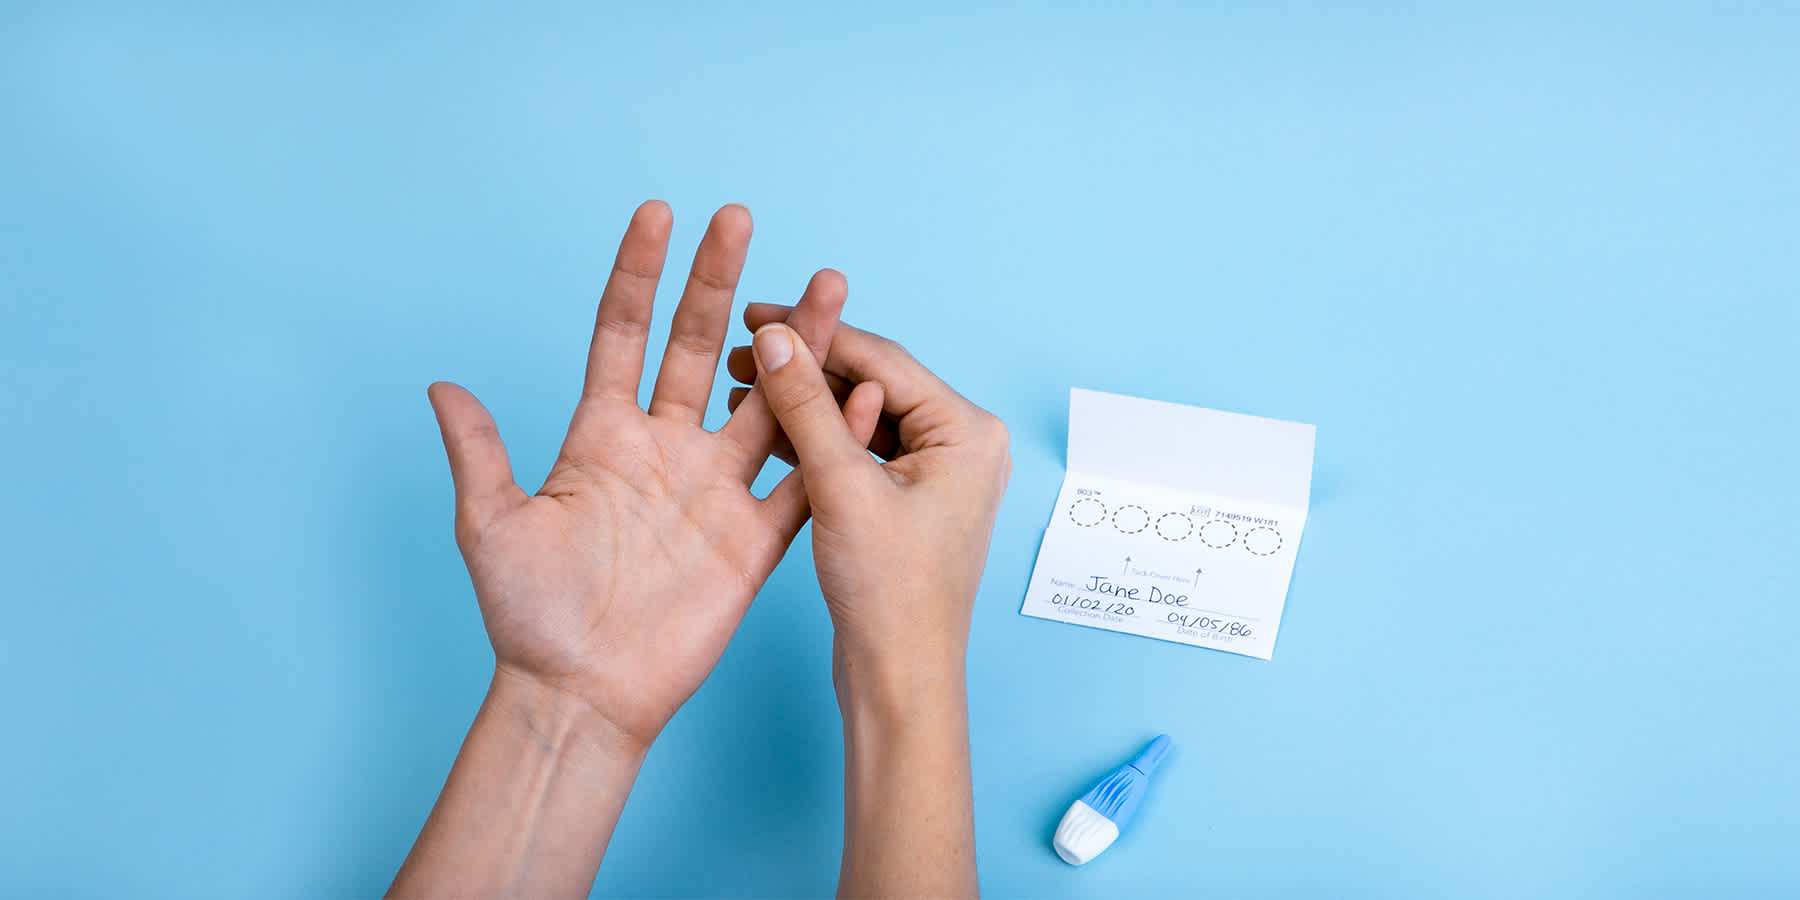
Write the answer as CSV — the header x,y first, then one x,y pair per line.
x,y
1174,522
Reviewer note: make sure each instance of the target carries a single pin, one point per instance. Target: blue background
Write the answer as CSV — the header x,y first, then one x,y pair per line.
x,y
1531,272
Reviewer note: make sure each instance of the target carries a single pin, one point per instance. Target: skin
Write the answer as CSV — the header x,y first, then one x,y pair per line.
x,y
610,594
899,547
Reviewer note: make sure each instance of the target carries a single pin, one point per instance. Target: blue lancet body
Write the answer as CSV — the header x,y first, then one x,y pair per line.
x,y
1117,795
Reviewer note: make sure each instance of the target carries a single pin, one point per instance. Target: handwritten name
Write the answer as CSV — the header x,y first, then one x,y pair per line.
x,y
1100,584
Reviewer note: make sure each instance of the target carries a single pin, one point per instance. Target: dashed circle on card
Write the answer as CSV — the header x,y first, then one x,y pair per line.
x,y
1087,512
1131,519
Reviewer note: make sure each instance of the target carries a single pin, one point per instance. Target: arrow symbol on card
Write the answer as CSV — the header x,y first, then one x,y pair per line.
x,y
1127,566
1196,578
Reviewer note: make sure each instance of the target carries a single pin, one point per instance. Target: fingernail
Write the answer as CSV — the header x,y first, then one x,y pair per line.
x,y
773,347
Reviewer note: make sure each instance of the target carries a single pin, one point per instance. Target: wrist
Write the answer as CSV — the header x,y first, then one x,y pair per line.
x,y
895,692
531,802
563,721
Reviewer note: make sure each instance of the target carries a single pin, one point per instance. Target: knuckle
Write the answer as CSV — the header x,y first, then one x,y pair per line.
x,y
637,272
715,281
628,329
991,433
696,342
801,399
892,347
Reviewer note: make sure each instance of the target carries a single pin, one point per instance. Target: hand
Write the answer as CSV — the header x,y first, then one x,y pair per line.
x,y
610,594
899,545
621,581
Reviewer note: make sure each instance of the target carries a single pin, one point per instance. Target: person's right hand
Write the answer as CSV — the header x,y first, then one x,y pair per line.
x,y
899,546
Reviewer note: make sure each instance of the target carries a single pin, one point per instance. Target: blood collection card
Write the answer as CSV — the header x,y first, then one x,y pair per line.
x,y
1174,522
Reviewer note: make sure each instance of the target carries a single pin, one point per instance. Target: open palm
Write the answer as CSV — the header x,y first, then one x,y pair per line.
x,y
623,578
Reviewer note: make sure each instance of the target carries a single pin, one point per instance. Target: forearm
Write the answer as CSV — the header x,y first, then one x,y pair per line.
x,y
909,828
530,803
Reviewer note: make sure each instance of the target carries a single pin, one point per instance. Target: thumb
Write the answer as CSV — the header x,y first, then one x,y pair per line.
x,y
804,405
478,463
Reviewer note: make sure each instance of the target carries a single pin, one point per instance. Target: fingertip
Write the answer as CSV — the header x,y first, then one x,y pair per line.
x,y
734,217
741,365
653,214
823,302
862,411
831,282
875,391
440,391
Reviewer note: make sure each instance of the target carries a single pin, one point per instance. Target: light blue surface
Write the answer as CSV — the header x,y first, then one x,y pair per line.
x,y
1532,274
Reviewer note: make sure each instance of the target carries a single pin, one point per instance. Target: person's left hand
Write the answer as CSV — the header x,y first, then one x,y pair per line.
x,y
621,581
